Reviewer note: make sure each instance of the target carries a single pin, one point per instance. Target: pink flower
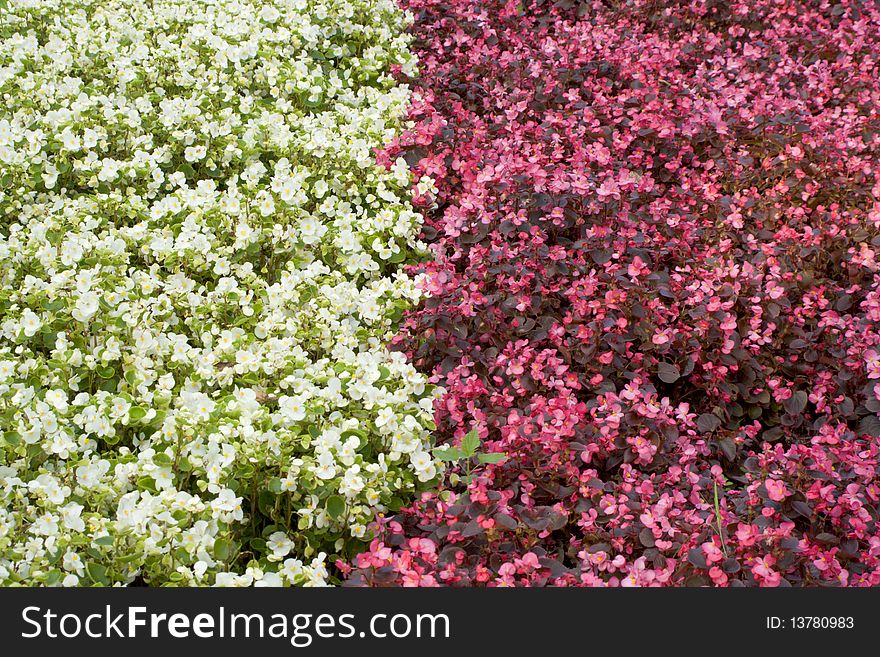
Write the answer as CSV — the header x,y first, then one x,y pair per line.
x,y
776,490
660,338
763,571
872,364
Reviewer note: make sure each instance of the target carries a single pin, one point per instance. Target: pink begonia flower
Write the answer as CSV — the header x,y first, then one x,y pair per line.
x,y
872,364
776,490
660,338
763,571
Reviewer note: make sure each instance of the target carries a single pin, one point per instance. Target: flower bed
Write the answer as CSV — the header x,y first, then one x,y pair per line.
x,y
650,259
201,265
657,291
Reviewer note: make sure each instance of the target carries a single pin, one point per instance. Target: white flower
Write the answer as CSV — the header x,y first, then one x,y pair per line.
x,y
90,475
269,14
423,465
30,322
7,369
291,569
32,434
291,408
280,545
326,468
194,153
58,399
386,417
73,562
197,403
311,230
70,140
269,580
267,205
46,524
86,306
351,483
228,502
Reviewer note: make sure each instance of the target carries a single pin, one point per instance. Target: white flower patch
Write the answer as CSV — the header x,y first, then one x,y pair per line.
x,y
199,265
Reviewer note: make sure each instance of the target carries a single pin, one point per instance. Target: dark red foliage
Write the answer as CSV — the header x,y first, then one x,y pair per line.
x,y
656,283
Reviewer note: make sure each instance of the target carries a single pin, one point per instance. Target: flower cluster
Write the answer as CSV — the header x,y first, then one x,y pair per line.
x,y
656,291
201,265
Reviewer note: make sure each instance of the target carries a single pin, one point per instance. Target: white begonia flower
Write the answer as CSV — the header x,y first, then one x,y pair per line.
x,y
386,418
46,525
7,369
351,483
32,434
71,517
73,562
269,580
292,408
57,398
86,306
269,14
198,404
326,468
280,545
70,140
30,322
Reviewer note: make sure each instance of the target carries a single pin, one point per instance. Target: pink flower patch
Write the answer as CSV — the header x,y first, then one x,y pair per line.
x,y
648,292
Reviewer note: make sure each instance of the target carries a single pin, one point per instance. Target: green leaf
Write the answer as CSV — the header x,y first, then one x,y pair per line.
x,y
49,338
222,549
147,483
335,506
109,385
348,433
97,573
107,372
449,454
53,305
470,443
162,460
137,413
104,541
266,503
492,458
275,485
